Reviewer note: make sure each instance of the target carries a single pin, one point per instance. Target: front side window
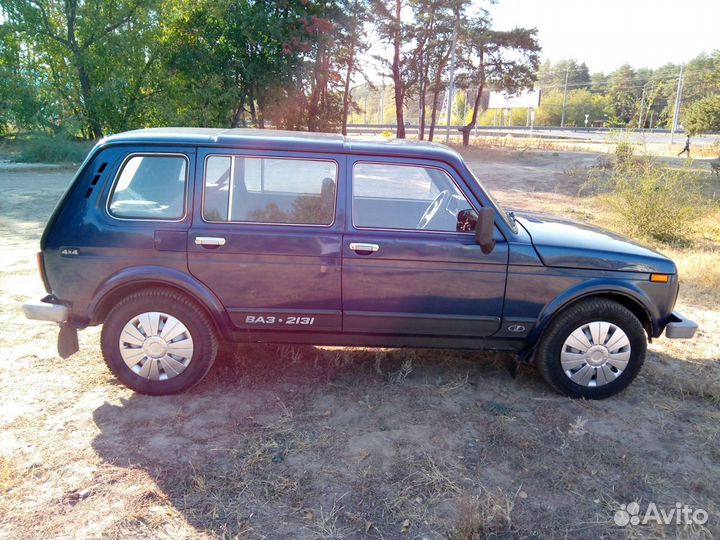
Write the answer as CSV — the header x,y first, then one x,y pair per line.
x,y
392,196
150,187
270,190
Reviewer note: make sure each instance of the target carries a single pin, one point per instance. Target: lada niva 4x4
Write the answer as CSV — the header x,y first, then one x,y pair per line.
x,y
175,239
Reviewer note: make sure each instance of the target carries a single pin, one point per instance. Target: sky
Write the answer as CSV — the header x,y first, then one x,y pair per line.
x,y
608,33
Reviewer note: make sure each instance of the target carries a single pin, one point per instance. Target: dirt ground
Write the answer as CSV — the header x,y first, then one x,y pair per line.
x,y
336,443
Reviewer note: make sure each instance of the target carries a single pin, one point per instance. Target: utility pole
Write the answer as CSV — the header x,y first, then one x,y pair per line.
x,y
452,83
367,92
567,73
381,112
678,98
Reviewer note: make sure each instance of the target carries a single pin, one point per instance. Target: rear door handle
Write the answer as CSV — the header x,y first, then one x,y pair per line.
x,y
356,246
209,241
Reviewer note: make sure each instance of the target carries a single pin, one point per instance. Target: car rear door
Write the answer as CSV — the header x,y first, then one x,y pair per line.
x,y
266,238
399,279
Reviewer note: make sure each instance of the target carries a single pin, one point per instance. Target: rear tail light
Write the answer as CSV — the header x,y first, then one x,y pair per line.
x,y
41,270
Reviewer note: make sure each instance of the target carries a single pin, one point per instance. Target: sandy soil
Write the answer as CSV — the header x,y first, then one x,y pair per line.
x,y
312,442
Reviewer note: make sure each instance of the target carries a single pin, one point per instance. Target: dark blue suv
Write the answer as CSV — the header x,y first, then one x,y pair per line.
x,y
174,239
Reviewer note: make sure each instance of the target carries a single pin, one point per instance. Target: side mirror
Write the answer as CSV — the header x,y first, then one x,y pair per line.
x,y
484,230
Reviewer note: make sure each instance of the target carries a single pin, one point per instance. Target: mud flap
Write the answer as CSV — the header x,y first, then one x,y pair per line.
x,y
67,343
511,364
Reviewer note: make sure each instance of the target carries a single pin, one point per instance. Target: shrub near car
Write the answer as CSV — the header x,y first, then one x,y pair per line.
x,y
175,239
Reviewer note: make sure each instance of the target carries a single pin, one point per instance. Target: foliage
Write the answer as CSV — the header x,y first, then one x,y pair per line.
x,y
653,201
703,115
579,103
74,51
92,68
630,97
551,77
622,94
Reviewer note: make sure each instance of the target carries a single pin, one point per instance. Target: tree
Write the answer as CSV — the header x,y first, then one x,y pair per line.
x,y
435,23
19,100
504,60
703,115
98,40
623,94
353,42
403,67
552,76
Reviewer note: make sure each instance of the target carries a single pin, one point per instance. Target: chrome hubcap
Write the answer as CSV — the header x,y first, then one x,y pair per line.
x,y
595,353
156,346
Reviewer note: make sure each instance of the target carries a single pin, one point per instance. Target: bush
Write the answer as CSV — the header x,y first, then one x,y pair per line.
x,y
652,200
44,148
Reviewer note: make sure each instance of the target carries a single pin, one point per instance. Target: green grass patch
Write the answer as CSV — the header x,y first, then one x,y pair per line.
x,y
42,148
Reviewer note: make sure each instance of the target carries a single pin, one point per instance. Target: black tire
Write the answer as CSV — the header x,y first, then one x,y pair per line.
x,y
195,319
547,354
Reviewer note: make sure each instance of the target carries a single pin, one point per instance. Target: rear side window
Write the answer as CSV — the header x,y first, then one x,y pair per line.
x,y
150,187
270,190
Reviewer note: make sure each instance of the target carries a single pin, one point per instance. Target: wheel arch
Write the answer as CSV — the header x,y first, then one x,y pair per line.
x,y
630,299
136,279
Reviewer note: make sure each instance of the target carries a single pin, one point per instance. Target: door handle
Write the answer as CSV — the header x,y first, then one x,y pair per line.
x,y
209,241
356,246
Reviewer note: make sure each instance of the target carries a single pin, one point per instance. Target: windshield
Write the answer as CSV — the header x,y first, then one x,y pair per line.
x,y
508,217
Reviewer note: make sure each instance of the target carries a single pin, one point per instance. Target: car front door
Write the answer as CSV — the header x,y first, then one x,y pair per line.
x,y
266,238
407,269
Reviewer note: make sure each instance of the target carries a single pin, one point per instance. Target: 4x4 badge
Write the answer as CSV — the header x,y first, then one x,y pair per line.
x,y
67,252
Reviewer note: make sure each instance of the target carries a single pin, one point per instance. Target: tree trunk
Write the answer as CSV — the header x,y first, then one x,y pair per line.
x,y
478,98
422,97
346,90
239,109
468,128
320,78
253,111
433,114
396,73
94,126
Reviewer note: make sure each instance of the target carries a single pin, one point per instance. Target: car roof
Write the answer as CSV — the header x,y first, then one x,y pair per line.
x,y
270,139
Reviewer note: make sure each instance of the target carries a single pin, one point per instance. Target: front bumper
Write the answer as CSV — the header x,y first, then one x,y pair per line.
x,y
680,327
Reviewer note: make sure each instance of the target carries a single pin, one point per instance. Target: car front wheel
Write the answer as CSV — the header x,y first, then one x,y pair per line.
x,y
157,341
592,350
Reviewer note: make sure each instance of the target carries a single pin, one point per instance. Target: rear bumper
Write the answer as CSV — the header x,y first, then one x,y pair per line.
x,y
44,310
680,327
48,309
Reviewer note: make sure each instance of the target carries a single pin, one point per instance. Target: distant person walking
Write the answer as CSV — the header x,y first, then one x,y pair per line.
x,y
687,147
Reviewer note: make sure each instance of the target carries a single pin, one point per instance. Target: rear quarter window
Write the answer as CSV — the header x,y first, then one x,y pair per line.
x,y
150,187
270,190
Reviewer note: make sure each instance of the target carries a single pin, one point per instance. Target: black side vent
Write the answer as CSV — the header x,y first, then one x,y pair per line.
x,y
95,180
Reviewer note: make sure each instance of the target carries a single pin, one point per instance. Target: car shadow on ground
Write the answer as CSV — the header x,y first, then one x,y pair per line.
x,y
332,443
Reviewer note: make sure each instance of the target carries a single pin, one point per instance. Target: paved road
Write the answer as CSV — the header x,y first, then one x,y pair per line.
x,y
579,134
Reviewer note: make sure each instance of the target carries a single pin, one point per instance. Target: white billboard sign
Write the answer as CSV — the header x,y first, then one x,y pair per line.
x,y
530,99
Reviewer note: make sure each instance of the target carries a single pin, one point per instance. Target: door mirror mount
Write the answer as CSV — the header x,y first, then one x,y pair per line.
x,y
484,230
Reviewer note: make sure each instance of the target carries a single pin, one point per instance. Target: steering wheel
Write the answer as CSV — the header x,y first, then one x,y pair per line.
x,y
441,201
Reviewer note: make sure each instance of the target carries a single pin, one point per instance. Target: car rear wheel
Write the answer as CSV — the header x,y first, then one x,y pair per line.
x,y
592,350
157,341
